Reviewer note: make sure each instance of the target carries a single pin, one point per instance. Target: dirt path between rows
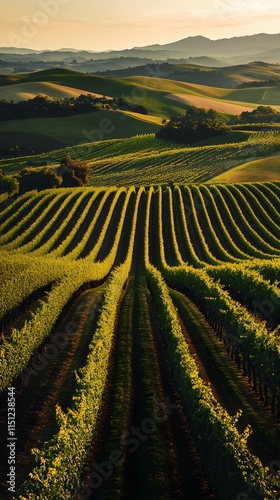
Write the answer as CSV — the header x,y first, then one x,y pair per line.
x,y
51,382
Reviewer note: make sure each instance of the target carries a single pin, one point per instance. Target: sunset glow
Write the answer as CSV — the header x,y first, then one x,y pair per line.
x,y
83,24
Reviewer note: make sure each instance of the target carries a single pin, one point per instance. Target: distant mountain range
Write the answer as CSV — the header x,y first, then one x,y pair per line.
x,y
196,50
225,47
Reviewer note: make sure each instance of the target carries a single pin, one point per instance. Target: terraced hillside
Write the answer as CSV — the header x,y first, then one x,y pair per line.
x,y
140,327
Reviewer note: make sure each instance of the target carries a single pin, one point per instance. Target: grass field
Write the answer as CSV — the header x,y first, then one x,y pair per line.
x,y
24,91
205,102
84,128
266,169
266,96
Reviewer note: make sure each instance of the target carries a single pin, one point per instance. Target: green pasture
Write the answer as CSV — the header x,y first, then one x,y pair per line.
x,y
264,169
83,128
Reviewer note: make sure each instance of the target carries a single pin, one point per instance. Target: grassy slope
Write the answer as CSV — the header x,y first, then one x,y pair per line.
x,y
260,96
23,91
173,86
113,87
222,106
265,169
223,77
85,128
150,91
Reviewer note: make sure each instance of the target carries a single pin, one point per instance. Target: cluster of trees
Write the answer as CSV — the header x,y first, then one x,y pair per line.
x,y
43,106
37,179
198,123
259,83
122,104
8,184
195,125
70,173
262,114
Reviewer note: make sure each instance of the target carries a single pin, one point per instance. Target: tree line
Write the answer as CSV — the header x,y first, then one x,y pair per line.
x,y
45,107
198,123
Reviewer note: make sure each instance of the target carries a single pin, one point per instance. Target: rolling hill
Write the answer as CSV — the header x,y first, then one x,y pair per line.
x,y
152,92
264,169
23,91
146,160
203,102
149,297
163,98
89,127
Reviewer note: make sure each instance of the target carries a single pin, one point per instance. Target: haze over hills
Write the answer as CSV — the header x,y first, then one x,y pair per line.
x,y
225,47
221,52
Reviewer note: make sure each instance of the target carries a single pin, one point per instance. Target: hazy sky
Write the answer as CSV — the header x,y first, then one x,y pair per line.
x,y
109,24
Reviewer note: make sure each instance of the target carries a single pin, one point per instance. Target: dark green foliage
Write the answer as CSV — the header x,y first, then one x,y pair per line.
x,y
259,83
70,180
195,125
262,114
43,106
73,172
8,184
139,109
37,178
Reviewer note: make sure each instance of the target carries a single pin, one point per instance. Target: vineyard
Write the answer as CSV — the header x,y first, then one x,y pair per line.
x,y
137,160
140,327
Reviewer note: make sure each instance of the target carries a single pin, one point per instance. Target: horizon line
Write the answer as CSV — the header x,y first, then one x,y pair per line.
x,y
136,47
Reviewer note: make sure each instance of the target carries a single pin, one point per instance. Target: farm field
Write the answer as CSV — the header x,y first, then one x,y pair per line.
x,y
162,97
140,326
140,315
137,160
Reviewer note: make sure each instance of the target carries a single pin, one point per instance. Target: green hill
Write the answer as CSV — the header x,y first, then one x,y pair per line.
x,y
151,91
224,77
145,160
77,129
264,169
158,95
29,90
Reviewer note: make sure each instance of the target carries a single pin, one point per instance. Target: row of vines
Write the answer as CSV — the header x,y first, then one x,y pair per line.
x,y
219,245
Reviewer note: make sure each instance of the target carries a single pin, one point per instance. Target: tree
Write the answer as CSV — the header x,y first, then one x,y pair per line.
x,y
262,114
139,108
37,178
79,168
70,180
8,184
